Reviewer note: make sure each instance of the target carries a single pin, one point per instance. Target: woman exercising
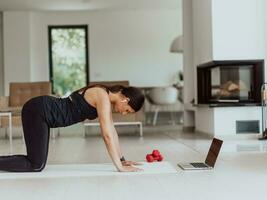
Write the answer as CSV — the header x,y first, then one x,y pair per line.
x,y
41,113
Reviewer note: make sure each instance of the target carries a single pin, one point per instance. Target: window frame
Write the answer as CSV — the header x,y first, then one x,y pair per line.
x,y
87,65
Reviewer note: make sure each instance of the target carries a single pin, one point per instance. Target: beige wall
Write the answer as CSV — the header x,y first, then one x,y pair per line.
x,y
130,45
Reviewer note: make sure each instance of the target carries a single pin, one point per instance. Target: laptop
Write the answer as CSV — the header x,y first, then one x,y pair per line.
x,y
210,160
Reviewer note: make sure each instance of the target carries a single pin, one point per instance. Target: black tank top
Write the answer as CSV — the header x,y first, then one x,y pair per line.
x,y
61,112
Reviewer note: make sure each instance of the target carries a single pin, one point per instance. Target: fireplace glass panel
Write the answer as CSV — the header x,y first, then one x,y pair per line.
x,y
231,83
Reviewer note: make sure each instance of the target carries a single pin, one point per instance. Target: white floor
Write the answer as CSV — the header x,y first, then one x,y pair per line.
x,y
240,173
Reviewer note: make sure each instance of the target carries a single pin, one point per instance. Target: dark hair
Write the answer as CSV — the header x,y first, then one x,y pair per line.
x,y
135,95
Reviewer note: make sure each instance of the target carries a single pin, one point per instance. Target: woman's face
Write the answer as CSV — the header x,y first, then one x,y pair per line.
x,y
123,107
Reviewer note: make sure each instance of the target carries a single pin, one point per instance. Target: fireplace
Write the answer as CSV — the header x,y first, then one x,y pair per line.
x,y
230,83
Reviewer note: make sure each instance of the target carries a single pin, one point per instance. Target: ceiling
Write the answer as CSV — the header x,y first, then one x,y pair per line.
x,y
70,5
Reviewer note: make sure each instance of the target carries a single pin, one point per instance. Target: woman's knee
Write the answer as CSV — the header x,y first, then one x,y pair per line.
x,y
38,167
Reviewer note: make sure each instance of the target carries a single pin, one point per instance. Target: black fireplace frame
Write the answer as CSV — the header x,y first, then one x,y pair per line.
x,y
204,81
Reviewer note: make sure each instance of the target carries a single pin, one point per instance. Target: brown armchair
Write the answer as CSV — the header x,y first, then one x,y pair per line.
x,y
19,93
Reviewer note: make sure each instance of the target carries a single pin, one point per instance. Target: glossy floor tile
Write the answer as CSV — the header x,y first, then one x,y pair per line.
x,y
240,172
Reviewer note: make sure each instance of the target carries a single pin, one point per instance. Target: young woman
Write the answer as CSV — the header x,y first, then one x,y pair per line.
x,y
41,113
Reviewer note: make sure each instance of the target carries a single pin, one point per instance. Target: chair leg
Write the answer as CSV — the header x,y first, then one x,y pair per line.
x,y
141,129
58,132
5,133
22,136
182,119
155,116
85,131
172,118
53,133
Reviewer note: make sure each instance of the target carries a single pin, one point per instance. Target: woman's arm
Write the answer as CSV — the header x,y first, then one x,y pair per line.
x,y
124,162
116,139
104,114
107,128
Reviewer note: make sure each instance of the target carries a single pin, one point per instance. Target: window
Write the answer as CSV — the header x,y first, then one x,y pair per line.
x,y
68,58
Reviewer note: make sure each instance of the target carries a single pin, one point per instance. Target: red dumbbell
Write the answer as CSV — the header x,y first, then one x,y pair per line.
x,y
149,158
155,153
155,156
160,158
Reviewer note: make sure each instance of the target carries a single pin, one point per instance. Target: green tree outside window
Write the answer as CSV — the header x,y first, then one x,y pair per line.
x,y
68,59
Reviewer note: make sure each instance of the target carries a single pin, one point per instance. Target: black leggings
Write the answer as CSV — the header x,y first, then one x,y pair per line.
x,y
36,134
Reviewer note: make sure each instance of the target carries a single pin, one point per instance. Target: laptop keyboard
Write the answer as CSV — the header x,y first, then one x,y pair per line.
x,y
199,165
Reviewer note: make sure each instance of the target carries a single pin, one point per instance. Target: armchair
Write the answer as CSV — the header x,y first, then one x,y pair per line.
x,y
19,93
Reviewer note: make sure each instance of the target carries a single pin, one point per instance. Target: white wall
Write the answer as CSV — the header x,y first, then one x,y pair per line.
x,y
264,7
129,45
205,121
16,47
197,49
202,35
221,121
225,118
197,31
202,31
1,56
189,69
237,29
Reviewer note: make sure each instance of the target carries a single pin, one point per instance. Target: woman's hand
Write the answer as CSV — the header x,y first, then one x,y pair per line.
x,y
130,163
129,169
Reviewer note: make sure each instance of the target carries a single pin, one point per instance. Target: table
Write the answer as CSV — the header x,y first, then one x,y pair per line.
x,y
119,124
9,115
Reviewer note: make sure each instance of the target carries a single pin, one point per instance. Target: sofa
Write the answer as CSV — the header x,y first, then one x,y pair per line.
x,y
19,93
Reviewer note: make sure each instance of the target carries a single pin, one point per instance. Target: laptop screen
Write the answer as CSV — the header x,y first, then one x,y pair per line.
x,y
213,152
